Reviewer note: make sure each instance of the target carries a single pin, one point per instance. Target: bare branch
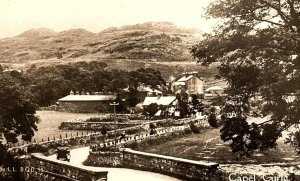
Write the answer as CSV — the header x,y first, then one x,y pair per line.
x,y
280,13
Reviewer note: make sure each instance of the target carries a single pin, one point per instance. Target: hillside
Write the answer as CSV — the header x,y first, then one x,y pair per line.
x,y
161,41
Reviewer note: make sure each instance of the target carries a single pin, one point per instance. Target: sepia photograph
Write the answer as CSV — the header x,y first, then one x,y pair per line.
x,y
149,90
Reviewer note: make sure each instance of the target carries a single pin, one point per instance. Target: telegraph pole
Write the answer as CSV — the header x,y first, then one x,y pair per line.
x,y
115,121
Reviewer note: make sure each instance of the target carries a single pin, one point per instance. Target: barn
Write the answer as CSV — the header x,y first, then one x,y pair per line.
x,y
86,103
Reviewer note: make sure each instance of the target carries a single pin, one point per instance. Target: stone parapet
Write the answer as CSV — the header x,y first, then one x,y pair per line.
x,y
43,169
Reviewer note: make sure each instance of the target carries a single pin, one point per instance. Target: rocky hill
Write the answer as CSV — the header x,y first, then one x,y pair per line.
x,y
152,41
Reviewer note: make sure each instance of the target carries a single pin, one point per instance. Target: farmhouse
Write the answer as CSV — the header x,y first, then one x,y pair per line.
x,y
189,83
86,103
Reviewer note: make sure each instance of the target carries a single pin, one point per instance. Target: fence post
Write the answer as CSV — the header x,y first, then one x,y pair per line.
x,y
54,138
60,137
77,133
66,135
42,139
48,139
82,133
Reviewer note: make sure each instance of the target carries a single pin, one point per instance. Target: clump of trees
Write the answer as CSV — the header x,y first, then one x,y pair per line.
x,y
50,83
17,116
257,46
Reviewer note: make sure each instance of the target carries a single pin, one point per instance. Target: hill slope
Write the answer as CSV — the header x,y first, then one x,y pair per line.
x,y
160,41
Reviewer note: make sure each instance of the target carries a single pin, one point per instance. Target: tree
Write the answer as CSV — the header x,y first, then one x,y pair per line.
x,y
212,118
153,127
183,103
152,109
197,103
17,113
257,47
148,76
49,87
104,131
132,99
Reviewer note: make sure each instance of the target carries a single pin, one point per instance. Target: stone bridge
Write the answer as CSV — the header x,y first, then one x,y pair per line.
x,y
36,167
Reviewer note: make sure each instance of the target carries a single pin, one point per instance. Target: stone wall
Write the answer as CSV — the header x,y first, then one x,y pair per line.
x,y
176,167
39,168
172,166
106,159
78,139
68,125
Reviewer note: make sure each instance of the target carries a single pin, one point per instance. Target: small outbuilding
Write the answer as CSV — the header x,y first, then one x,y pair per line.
x,y
214,91
163,103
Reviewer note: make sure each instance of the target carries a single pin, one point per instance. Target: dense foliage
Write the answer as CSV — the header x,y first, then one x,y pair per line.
x,y
257,45
17,113
17,117
50,83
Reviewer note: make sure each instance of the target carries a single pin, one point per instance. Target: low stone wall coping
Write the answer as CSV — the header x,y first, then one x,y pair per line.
x,y
39,156
198,163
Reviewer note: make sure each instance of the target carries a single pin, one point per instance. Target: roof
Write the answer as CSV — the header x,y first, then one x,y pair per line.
x,y
88,98
148,89
214,88
179,83
163,100
184,78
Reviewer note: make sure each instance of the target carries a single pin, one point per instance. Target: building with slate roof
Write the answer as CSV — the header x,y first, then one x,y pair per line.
x,y
190,83
86,103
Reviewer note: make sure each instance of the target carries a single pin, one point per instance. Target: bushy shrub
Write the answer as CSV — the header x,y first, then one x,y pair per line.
x,y
93,119
21,152
212,120
82,141
37,148
135,130
104,130
109,119
53,145
93,138
73,142
194,128
109,149
188,131
152,109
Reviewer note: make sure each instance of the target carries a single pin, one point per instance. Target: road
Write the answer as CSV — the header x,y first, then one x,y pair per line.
x,y
114,174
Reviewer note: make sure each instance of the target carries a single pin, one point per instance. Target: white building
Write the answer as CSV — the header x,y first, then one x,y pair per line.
x,y
190,83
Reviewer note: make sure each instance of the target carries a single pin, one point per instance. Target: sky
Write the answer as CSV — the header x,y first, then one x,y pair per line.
x,y
17,16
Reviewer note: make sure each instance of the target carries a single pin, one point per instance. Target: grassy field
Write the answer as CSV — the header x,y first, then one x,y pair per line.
x,y
208,146
50,121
